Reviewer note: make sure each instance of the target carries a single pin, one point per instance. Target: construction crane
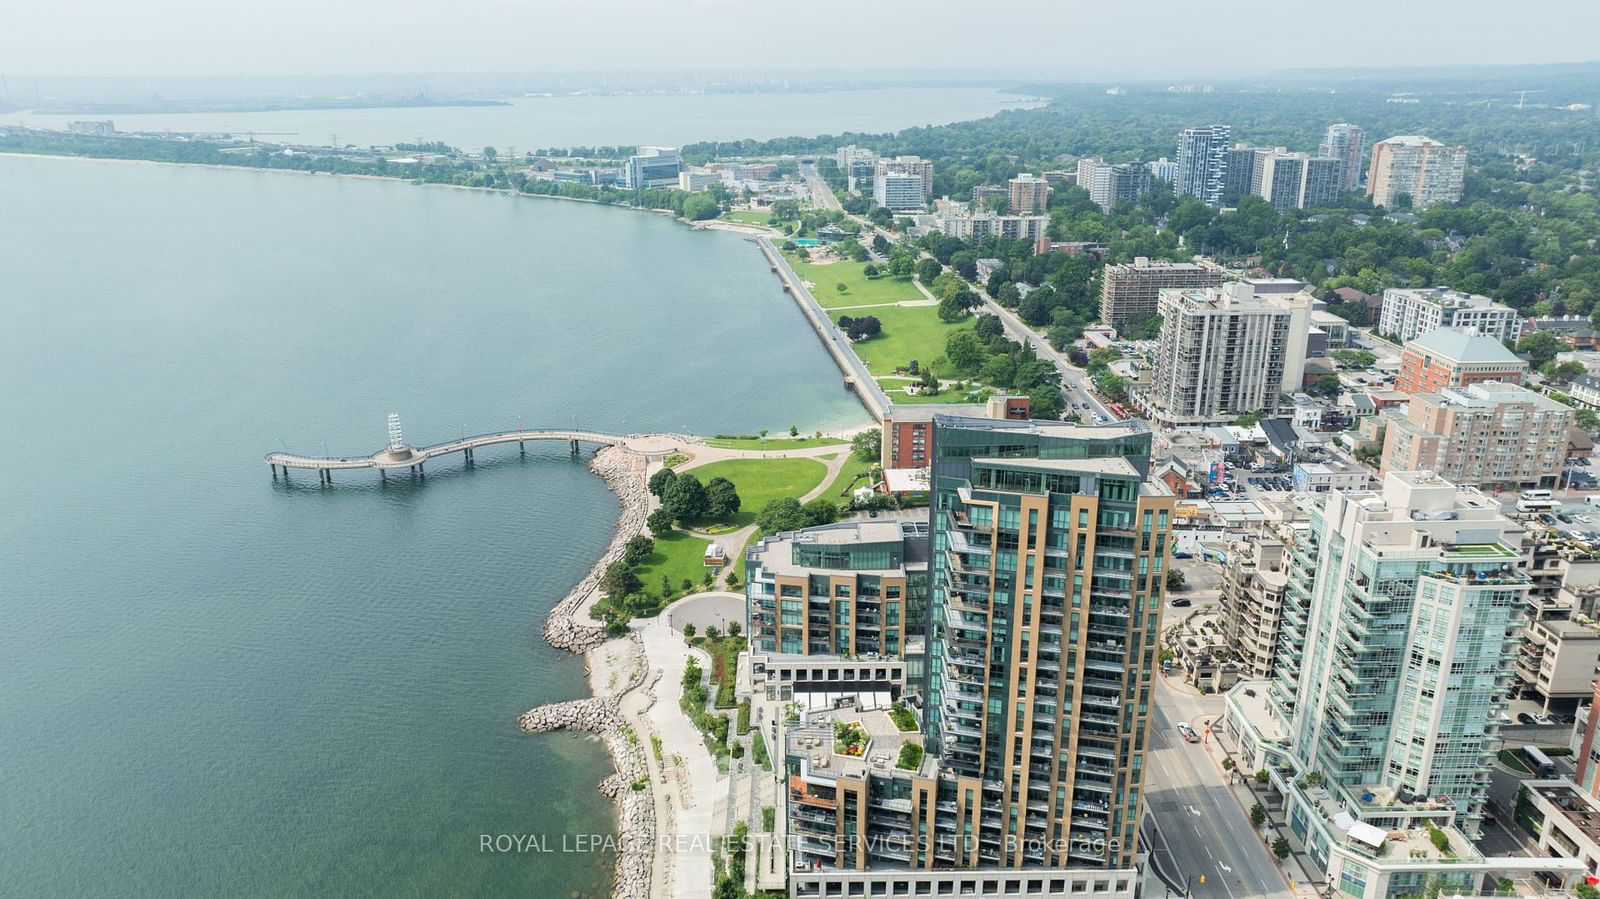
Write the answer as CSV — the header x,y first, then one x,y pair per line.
x,y
1522,96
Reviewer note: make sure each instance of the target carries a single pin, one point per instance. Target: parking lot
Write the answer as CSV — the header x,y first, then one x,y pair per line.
x,y
1270,482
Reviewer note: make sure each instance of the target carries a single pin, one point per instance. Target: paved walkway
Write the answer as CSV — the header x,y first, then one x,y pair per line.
x,y
690,772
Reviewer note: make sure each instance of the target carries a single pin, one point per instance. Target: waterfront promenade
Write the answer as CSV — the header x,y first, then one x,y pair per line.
x,y
856,376
397,456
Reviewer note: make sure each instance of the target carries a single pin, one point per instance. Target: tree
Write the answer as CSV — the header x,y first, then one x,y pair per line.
x,y
700,207
782,515
619,580
1327,387
1248,419
989,327
927,270
637,547
1228,764
688,629
660,481
1541,347
722,498
794,430
1587,419
1258,815
686,498
1563,372
660,521
1353,358
870,271
842,287
1280,848
964,350
951,309
880,244
861,328
867,445
821,511
1045,402
1008,295
1174,578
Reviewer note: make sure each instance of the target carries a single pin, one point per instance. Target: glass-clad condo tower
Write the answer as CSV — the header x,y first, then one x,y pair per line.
x,y
1046,578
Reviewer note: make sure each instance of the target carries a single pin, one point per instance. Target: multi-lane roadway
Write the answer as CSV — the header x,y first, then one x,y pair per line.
x,y
1195,826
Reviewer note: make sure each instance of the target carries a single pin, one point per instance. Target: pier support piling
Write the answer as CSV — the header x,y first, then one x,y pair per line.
x,y
574,446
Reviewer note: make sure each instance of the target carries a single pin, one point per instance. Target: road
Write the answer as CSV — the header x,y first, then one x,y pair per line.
x,y
1199,827
821,193
1074,381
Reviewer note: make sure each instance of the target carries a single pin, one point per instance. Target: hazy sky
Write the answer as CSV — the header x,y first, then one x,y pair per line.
x,y
1040,38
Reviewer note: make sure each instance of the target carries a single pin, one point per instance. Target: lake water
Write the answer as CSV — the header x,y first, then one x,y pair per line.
x,y
534,122
212,684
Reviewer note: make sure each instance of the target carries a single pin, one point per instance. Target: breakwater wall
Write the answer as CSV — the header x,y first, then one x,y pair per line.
x,y
857,378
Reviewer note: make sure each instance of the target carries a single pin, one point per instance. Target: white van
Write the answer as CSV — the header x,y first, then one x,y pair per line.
x,y
1592,499
1536,494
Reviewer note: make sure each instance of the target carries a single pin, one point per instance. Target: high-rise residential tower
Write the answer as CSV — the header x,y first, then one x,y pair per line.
x,y
1203,162
1420,168
1224,352
1046,581
1110,185
1045,573
1298,180
1344,142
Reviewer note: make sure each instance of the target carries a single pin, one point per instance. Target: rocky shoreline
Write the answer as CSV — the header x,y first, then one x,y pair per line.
x,y
624,471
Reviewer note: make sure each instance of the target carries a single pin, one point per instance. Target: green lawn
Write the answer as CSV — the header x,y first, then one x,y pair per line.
x,y
898,396
852,475
762,480
773,444
679,557
749,216
909,332
860,291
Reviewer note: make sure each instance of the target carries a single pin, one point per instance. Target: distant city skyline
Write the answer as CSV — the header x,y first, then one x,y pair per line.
x,y
192,38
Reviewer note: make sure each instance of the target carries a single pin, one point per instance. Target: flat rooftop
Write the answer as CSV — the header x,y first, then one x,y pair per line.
x,y
1578,808
1113,465
814,740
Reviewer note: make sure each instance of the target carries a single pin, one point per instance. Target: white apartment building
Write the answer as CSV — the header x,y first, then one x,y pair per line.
x,y
1410,312
959,221
851,153
1378,728
897,191
910,165
1226,351
1418,167
1203,162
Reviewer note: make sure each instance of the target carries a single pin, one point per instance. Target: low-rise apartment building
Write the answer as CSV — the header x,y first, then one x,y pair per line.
x,y
850,589
1447,357
1253,583
1485,435
1410,312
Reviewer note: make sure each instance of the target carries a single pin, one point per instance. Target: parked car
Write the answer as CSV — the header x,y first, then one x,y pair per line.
x,y
1524,718
1180,603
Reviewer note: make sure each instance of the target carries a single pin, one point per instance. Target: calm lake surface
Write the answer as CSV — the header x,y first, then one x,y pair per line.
x,y
533,122
212,684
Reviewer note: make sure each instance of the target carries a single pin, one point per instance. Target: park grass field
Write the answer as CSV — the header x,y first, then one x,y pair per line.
x,y
749,216
860,290
679,556
909,332
760,481
772,444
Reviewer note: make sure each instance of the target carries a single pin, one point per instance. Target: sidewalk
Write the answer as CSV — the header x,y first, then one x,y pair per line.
x,y
1297,868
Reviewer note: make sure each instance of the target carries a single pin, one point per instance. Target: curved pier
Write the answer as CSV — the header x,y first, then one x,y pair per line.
x,y
399,457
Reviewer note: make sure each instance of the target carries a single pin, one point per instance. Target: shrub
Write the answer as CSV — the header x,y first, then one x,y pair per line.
x,y
769,818
688,629
903,717
738,750
744,717
1280,848
758,750
910,756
